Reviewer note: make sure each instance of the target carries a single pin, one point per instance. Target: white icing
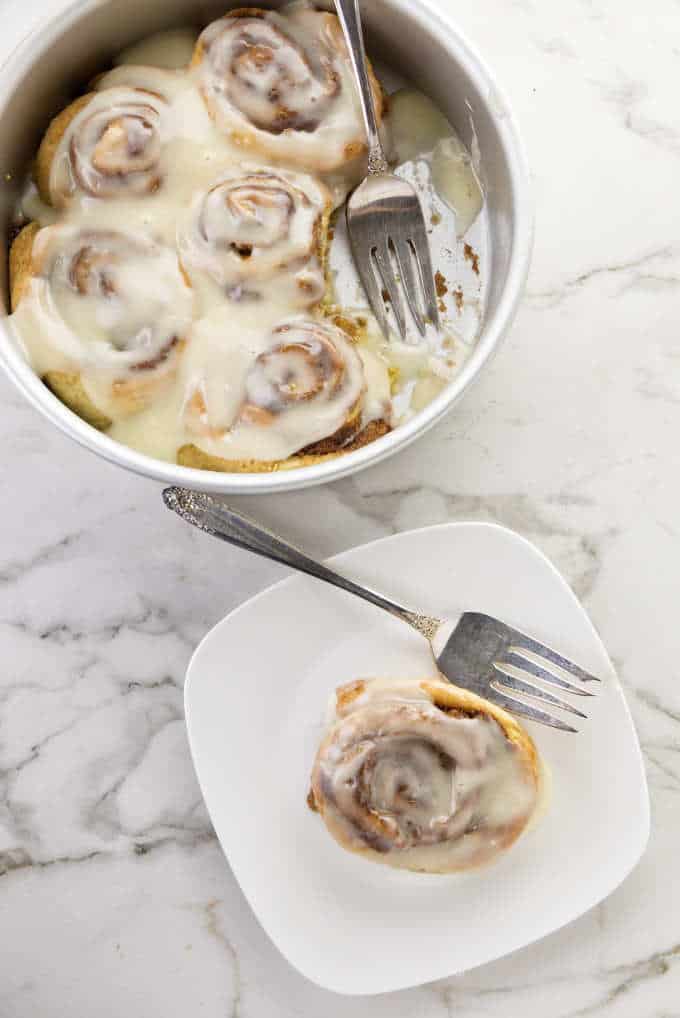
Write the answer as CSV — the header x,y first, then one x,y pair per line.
x,y
407,784
421,131
301,386
454,179
377,401
416,125
34,209
289,93
172,50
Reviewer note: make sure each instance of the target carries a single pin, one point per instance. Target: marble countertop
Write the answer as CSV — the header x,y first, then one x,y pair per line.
x,y
115,898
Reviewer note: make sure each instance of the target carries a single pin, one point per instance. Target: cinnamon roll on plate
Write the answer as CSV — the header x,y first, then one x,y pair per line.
x,y
281,86
424,776
107,315
300,398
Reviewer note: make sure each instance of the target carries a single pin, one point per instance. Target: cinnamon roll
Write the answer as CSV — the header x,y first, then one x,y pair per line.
x,y
107,314
260,232
422,775
282,86
300,395
107,144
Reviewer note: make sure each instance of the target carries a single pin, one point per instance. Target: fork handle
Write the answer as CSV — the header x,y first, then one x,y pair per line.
x,y
215,518
350,19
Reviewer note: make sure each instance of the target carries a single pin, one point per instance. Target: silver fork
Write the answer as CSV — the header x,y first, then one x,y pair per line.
x,y
475,651
384,216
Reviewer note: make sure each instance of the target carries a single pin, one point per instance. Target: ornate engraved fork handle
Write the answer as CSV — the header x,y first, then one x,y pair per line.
x,y
206,513
350,19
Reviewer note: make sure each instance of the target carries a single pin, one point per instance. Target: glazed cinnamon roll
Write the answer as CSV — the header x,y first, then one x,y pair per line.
x,y
107,144
282,86
302,393
107,314
424,776
260,232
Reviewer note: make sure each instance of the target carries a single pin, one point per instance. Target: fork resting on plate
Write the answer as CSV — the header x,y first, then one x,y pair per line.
x,y
475,651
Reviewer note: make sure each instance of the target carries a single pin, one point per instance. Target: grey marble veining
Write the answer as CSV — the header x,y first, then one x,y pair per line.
x,y
114,895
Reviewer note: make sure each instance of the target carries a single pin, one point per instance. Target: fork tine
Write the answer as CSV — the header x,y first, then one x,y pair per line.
x,y
402,252
518,660
370,284
421,250
523,710
381,254
511,680
549,657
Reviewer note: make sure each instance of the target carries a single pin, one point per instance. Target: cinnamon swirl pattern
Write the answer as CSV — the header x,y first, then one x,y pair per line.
x,y
107,144
424,776
113,310
257,231
282,86
307,364
301,393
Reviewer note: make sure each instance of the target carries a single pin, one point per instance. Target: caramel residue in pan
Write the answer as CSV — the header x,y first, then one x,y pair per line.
x,y
442,289
311,802
458,297
472,257
348,325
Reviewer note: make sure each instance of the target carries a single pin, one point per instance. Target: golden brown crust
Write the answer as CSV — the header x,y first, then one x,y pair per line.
x,y
247,12
340,439
199,51
69,389
323,244
21,262
51,142
192,456
354,327
347,694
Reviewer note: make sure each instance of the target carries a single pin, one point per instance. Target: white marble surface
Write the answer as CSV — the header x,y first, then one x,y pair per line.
x,y
114,896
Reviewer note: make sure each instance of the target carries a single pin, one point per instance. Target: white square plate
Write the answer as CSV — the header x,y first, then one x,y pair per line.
x,y
256,695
